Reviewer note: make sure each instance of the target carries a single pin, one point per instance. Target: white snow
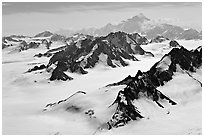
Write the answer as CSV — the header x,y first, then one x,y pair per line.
x,y
23,100
116,63
159,49
164,64
103,59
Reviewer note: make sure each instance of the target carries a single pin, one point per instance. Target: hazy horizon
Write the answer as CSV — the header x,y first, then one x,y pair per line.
x,y
30,18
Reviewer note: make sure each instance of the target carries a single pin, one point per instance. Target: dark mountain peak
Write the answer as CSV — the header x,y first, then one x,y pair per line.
x,y
110,50
44,34
129,42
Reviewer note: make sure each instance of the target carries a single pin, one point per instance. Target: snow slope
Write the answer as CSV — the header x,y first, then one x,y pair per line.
x,y
23,99
159,49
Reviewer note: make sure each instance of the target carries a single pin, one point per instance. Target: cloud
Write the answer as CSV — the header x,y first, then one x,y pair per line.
x,y
56,7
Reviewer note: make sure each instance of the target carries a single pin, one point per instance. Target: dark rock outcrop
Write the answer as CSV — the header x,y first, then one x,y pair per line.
x,y
47,43
88,52
5,45
39,55
129,42
50,52
58,74
84,51
25,46
144,84
37,68
174,44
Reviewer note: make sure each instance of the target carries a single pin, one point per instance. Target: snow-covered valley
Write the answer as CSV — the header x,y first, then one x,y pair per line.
x,y
25,95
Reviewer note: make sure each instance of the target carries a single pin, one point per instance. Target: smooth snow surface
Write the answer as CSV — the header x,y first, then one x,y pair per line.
x,y
25,95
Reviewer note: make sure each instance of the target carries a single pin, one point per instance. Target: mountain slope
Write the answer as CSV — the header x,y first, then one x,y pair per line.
x,y
84,51
144,83
139,90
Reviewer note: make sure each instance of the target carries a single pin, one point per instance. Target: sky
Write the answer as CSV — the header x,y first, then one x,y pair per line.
x,y
30,18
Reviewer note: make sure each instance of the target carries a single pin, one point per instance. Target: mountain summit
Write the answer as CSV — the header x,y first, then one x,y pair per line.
x,y
142,24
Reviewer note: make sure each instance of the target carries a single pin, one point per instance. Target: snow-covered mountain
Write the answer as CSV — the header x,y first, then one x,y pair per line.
x,y
132,106
21,43
142,24
177,60
80,51
44,34
84,51
137,92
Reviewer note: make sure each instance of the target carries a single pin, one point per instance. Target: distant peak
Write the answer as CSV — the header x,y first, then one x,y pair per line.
x,y
44,34
141,17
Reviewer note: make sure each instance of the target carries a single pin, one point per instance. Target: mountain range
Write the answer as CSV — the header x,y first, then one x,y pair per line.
x,y
158,84
143,25
85,51
142,86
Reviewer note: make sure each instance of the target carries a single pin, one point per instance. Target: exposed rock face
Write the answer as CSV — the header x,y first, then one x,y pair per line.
x,y
87,52
159,39
144,84
50,52
47,54
174,43
141,40
25,46
129,42
37,68
6,41
47,43
58,74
